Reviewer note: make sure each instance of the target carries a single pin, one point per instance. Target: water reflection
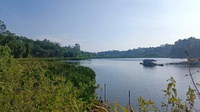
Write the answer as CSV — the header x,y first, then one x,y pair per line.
x,y
73,62
78,62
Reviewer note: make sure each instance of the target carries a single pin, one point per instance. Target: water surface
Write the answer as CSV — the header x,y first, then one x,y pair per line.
x,y
124,74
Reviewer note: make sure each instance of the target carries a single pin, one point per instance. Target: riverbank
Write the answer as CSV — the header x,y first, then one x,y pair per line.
x,y
42,84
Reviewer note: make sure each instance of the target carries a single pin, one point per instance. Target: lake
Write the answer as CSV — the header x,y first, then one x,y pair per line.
x,y
123,74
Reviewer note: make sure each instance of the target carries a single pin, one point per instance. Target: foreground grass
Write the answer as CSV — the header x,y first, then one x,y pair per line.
x,y
44,85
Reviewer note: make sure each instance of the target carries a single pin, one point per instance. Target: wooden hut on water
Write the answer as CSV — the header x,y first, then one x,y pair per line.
x,y
150,63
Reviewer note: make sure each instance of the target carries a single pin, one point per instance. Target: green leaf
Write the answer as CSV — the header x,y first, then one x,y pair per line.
x,y
175,92
123,109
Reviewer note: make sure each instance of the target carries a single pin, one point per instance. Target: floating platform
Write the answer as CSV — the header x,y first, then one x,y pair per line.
x,y
150,63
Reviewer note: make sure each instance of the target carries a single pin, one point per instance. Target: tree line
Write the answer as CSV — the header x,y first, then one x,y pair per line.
x,y
176,50
23,47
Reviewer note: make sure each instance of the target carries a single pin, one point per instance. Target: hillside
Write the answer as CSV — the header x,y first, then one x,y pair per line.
x,y
175,50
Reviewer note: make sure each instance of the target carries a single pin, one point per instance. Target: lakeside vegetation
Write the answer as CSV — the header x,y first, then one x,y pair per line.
x,y
44,85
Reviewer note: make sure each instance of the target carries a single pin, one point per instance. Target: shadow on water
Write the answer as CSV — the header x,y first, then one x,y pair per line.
x,y
77,63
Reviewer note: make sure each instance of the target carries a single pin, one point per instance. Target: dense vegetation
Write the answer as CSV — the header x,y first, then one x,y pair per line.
x,y
44,84
22,47
175,50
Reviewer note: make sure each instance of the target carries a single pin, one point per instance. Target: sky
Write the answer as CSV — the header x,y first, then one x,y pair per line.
x,y
102,25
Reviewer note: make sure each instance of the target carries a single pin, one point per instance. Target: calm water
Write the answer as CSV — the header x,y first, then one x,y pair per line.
x,y
124,74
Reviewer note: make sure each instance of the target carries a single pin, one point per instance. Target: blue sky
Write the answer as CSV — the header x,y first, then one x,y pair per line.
x,y
101,25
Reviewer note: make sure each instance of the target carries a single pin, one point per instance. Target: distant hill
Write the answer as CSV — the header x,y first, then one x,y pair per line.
x,y
176,50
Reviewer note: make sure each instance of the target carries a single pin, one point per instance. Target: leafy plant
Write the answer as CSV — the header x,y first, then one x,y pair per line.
x,y
173,101
146,105
44,85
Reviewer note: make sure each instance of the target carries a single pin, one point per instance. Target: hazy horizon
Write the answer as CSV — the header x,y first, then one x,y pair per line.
x,y
103,25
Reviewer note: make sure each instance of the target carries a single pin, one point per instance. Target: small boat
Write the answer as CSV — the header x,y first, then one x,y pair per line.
x,y
150,63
